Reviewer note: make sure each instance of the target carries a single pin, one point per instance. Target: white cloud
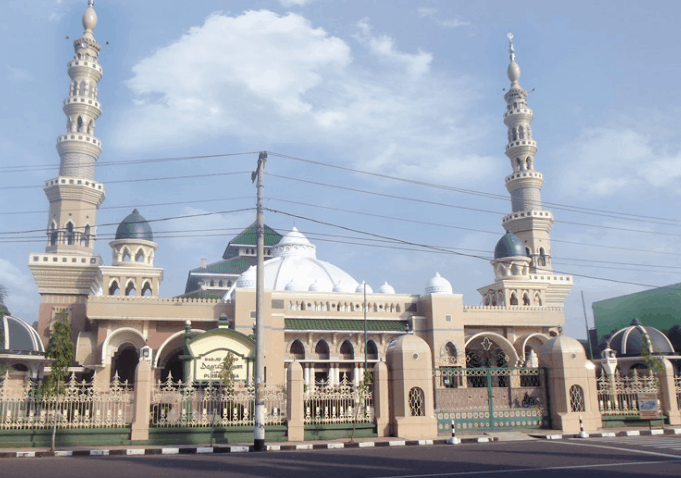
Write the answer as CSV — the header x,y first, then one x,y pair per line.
x,y
608,161
277,79
295,3
431,13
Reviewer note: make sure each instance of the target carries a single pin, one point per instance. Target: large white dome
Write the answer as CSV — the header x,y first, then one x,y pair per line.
x,y
294,264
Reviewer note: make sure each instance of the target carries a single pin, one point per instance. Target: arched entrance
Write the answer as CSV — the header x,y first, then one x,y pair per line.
x,y
124,363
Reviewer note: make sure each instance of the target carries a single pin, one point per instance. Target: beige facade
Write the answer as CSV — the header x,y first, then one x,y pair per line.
x,y
315,313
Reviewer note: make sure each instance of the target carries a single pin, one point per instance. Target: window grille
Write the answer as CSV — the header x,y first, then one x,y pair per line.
x,y
417,402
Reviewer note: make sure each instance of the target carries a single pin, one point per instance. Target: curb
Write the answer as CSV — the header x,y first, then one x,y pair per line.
x,y
625,433
233,448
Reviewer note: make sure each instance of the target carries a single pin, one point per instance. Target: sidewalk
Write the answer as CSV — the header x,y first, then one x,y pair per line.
x,y
462,437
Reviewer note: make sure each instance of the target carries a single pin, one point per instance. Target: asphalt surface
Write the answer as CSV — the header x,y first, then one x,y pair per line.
x,y
621,456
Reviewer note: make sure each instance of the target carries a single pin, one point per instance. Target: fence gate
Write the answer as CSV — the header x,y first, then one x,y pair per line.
x,y
490,398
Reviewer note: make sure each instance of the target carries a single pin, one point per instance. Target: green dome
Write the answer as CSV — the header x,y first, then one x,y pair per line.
x,y
509,245
134,227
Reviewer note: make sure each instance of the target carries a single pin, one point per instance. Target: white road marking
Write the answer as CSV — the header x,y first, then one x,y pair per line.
x,y
524,470
620,449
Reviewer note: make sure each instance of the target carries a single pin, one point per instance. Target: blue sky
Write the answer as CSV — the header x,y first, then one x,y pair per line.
x,y
408,89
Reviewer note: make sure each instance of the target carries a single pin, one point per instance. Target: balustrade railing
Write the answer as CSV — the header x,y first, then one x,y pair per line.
x,y
343,403
677,385
81,405
177,404
618,395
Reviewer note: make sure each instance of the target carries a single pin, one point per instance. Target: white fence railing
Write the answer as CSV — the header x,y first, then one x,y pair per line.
x,y
619,395
177,404
341,403
80,406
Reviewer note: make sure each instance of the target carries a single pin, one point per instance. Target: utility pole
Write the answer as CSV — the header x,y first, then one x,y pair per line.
x,y
259,431
586,323
366,336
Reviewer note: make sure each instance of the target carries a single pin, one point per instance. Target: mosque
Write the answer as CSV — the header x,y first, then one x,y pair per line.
x,y
315,312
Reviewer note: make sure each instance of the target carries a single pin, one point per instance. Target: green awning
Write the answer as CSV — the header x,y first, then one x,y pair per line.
x,y
345,324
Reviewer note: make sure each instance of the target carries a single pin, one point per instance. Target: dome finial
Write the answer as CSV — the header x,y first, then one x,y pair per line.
x,y
90,17
511,49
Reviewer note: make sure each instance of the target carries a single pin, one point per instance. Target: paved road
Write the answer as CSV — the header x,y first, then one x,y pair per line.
x,y
568,458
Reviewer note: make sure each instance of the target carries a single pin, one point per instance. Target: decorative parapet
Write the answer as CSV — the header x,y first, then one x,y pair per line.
x,y
74,182
159,300
524,308
541,214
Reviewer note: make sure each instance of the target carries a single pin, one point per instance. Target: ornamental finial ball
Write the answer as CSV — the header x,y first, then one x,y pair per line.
x,y
90,17
513,72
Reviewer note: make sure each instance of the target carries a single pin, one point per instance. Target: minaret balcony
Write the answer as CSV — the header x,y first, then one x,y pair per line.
x,y
84,69
528,220
524,179
75,181
521,143
521,149
82,105
74,189
521,113
79,143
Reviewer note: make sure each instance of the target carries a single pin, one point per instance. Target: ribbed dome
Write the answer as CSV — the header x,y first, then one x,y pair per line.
x,y
360,288
629,341
19,336
438,285
295,262
386,289
134,227
247,280
508,246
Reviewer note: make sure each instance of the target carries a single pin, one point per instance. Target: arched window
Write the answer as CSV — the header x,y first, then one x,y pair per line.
x,y
537,299
130,289
526,299
347,350
54,235
212,283
321,350
297,350
91,127
577,399
417,402
542,257
85,237
221,284
126,255
113,288
80,124
146,289
372,350
514,299
81,88
139,257
69,237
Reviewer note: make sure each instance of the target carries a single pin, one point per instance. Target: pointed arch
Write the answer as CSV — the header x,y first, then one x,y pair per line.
x,y
514,299
126,254
542,256
81,88
85,237
296,349
171,342
69,237
372,350
113,288
537,299
538,338
54,235
118,338
526,299
79,128
501,341
346,350
139,257
146,289
91,127
321,349
130,290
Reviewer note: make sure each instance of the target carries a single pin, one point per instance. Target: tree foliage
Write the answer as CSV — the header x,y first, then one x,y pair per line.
x,y
653,363
61,351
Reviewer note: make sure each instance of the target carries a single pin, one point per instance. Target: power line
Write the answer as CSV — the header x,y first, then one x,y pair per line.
x,y
444,250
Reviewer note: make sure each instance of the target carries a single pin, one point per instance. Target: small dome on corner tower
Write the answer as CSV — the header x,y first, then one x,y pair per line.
x,y
508,246
134,226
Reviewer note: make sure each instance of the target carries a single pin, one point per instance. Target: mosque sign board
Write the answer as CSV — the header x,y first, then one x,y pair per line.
x,y
209,350
647,406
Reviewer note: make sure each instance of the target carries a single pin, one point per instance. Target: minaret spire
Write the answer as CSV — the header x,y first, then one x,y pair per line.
x,y
74,195
68,271
528,221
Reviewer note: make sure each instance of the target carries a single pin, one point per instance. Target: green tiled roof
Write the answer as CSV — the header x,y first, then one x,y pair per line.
x,y
344,324
247,237
237,265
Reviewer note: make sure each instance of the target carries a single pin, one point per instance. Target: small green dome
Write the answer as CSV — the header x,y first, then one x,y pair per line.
x,y
509,245
134,227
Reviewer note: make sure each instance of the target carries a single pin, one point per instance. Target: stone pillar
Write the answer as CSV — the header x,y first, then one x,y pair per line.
x,y
381,399
144,380
410,362
569,371
295,403
102,378
355,376
670,406
307,375
336,374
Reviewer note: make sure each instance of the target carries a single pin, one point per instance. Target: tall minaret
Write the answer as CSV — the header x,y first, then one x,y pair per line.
x,y
523,275
528,221
68,271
